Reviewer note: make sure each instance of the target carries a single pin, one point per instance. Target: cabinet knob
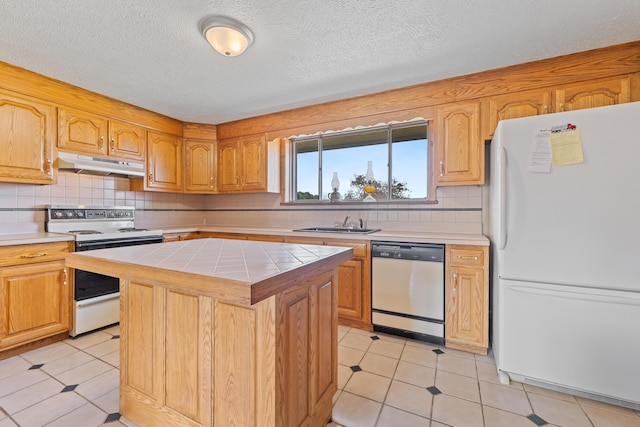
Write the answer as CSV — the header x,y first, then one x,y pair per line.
x,y
455,281
101,145
468,257
29,256
441,168
65,272
47,166
150,178
113,144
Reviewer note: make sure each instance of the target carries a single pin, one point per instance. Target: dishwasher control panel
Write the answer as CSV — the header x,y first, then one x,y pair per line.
x,y
409,251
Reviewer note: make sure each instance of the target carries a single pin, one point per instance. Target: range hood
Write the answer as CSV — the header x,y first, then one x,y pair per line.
x,y
98,166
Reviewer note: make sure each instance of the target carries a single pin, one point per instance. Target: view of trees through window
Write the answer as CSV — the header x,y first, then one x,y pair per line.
x,y
399,155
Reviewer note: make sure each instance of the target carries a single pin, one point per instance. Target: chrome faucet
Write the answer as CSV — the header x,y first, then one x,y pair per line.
x,y
344,223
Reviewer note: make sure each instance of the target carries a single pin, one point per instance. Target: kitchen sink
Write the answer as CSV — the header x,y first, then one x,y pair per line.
x,y
346,230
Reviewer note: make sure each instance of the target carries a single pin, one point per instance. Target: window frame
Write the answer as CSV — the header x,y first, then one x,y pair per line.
x,y
292,164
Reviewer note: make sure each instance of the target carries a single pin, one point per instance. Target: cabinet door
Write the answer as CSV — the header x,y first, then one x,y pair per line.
x,y
34,302
253,163
200,172
27,135
126,141
599,93
513,106
228,166
459,153
164,162
82,132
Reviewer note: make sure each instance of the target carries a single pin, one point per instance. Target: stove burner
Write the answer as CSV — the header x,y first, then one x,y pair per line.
x,y
125,230
85,232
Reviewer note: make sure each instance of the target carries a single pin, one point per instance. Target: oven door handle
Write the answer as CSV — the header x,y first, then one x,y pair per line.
x,y
96,300
115,243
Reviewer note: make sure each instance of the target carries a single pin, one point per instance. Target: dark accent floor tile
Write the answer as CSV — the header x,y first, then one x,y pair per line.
x,y
112,417
438,351
115,337
356,368
537,420
69,388
433,390
36,366
375,337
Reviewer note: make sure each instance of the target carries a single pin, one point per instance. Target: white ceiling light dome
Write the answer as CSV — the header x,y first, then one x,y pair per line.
x,y
227,36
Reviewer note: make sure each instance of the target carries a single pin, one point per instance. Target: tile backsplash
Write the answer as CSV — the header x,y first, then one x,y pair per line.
x,y
459,209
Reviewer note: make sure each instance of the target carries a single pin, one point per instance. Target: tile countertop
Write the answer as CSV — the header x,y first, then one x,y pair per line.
x,y
475,239
243,271
30,238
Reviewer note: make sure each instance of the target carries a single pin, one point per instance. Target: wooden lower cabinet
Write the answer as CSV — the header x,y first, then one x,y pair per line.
x,y
35,294
467,298
273,363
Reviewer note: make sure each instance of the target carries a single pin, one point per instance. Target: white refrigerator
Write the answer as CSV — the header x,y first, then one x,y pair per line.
x,y
566,251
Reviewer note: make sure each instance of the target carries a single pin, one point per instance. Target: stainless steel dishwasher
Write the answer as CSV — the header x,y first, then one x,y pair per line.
x,y
407,289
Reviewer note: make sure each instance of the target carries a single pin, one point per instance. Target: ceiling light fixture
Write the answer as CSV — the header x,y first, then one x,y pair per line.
x,y
227,36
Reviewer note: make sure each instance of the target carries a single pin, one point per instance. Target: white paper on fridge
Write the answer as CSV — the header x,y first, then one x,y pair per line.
x,y
566,146
540,157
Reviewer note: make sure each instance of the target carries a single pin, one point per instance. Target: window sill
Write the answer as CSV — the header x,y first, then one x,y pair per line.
x,y
326,203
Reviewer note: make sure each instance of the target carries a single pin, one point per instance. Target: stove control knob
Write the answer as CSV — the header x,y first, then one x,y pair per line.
x,y
57,214
69,214
80,214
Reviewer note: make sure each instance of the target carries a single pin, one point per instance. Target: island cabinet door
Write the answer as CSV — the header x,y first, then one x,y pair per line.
x,y
308,353
166,345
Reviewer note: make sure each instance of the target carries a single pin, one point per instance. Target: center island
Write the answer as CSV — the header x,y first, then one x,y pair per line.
x,y
217,332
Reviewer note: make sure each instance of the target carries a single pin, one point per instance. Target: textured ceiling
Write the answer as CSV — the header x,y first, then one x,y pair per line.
x,y
150,52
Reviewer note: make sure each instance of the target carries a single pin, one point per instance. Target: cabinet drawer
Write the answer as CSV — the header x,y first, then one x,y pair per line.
x,y
467,256
37,252
359,249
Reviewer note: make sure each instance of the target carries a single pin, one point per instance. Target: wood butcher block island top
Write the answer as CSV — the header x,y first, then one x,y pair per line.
x,y
219,332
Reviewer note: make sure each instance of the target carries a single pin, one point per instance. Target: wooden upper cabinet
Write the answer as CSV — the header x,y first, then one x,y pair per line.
x,y
27,140
82,132
598,93
248,164
514,106
200,166
164,164
126,141
459,150
87,133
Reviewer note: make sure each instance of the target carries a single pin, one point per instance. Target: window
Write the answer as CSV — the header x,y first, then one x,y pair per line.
x,y
399,155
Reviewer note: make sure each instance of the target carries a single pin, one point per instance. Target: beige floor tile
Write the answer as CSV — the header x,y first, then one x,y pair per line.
x,y
496,418
69,362
387,348
99,385
357,341
349,356
457,412
378,364
458,385
112,359
606,407
422,344
418,375
113,330
485,358
344,373
368,385
460,353
103,348
604,418
457,365
109,402
48,353
547,392
362,332
558,412
419,355
390,338
409,398
342,331
49,410
21,380
88,340
12,365
86,415
83,372
392,417
505,398
16,402
355,411
7,423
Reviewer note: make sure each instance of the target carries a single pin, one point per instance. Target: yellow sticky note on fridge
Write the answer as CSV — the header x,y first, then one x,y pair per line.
x,y
566,147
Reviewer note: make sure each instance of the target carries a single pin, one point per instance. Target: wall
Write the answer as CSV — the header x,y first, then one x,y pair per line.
x,y
22,207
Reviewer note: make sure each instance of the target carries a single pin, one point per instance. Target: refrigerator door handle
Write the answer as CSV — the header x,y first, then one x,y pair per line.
x,y
502,198
585,294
